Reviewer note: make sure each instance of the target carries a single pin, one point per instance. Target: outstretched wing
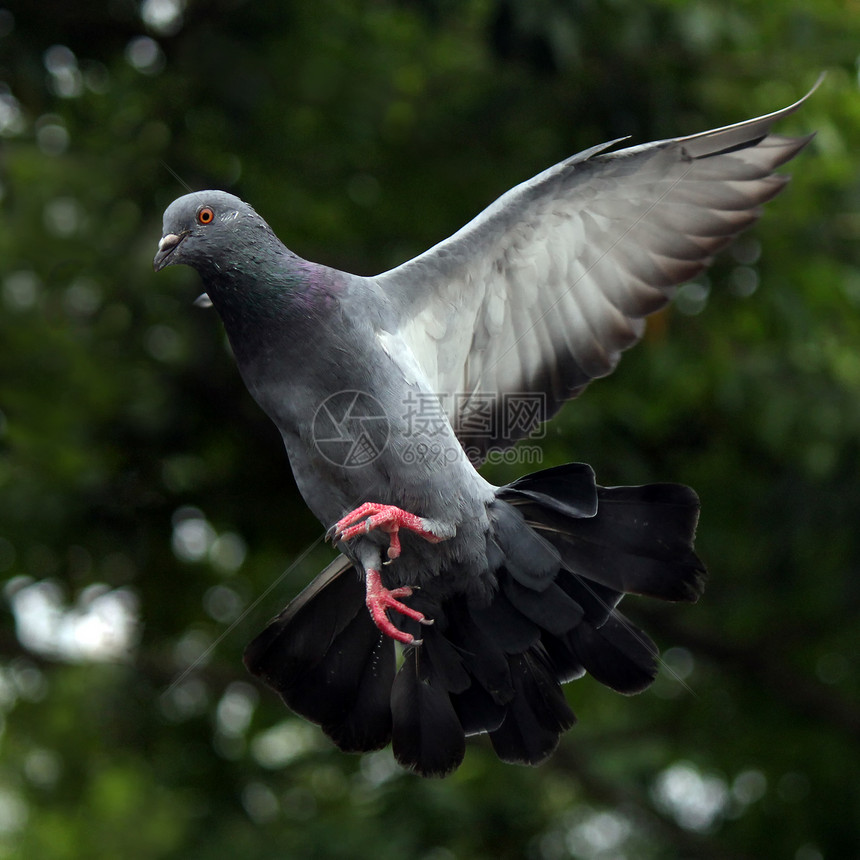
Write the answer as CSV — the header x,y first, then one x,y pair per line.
x,y
544,289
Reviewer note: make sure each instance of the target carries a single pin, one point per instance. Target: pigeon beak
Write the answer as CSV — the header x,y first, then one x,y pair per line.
x,y
166,247
203,301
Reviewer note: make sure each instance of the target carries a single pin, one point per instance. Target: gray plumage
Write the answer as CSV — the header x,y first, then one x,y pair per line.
x,y
380,385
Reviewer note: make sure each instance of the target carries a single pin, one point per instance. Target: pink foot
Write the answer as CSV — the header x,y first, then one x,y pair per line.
x,y
379,598
386,517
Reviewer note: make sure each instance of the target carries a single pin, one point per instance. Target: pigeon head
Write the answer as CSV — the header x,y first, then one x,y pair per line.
x,y
200,227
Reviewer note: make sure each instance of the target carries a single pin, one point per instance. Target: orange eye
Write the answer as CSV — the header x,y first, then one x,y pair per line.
x,y
205,216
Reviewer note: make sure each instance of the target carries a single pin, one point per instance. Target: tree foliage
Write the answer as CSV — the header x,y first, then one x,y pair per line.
x,y
148,521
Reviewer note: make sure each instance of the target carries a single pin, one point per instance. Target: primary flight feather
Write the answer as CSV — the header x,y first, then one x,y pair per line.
x,y
388,392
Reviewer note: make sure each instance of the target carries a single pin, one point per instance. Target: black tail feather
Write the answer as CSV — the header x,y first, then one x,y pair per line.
x,y
508,627
640,543
538,714
564,552
315,618
551,610
427,734
597,601
325,657
478,711
481,655
527,556
617,654
348,691
569,490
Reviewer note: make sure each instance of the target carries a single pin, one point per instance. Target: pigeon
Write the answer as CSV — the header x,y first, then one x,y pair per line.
x,y
457,607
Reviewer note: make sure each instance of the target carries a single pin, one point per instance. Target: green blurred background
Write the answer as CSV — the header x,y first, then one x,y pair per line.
x,y
146,503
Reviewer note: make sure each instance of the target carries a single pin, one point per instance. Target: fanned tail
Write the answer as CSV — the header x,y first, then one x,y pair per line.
x,y
325,657
562,552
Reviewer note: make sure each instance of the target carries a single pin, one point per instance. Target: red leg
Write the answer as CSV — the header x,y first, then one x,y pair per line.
x,y
379,598
389,519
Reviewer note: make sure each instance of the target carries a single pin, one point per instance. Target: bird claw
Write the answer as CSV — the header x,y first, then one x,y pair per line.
x,y
387,518
379,599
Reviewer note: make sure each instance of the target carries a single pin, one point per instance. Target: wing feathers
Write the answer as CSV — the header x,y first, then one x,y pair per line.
x,y
550,283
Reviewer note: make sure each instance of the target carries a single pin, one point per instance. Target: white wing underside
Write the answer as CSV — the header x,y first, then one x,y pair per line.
x,y
543,290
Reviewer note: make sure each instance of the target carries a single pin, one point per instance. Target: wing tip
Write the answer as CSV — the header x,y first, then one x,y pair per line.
x,y
758,126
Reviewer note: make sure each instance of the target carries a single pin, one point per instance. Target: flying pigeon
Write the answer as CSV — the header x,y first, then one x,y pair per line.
x,y
389,391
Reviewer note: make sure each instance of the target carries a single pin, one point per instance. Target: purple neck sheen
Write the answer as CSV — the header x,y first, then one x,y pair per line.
x,y
317,286
267,286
